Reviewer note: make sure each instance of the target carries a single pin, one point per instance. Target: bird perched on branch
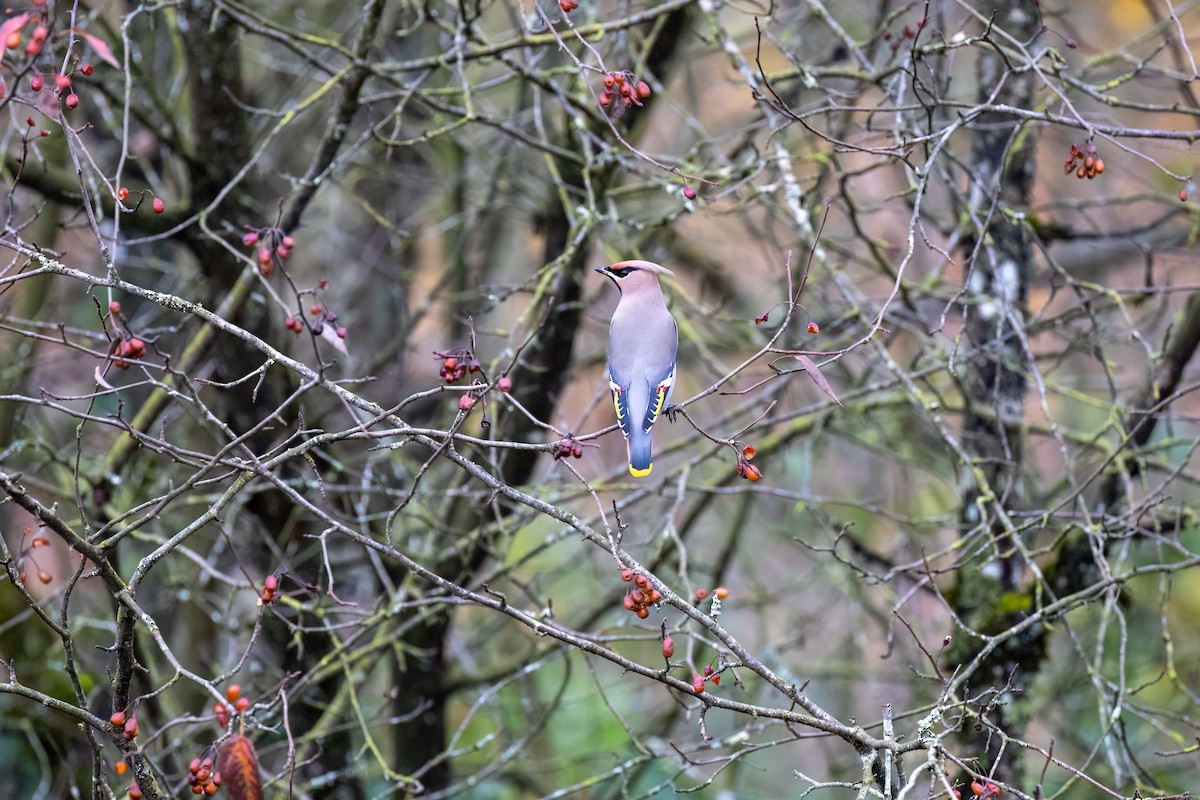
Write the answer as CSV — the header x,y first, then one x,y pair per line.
x,y
642,341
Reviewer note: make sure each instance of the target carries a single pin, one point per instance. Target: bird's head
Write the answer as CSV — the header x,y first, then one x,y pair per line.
x,y
634,275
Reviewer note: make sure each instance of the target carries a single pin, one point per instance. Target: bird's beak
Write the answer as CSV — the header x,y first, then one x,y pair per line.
x,y
602,270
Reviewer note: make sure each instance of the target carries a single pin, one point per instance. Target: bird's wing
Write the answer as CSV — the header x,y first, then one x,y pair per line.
x,y
660,390
620,404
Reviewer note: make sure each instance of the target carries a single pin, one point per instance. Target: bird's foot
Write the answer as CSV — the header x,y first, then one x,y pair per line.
x,y
671,410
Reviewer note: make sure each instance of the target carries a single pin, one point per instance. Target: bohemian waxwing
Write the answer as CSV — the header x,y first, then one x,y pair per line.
x,y
642,341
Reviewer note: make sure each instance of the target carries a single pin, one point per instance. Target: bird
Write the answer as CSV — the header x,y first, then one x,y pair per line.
x,y
642,341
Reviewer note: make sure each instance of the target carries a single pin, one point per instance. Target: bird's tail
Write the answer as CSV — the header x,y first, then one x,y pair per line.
x,y
639,453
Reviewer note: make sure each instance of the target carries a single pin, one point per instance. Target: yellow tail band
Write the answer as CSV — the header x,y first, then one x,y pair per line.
x,y
640,473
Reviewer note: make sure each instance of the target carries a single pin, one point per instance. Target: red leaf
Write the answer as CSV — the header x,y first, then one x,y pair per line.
x,y
10,25
808,366
238,765
103,51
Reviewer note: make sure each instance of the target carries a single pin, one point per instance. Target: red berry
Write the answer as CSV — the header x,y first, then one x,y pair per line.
x,y
701,594
341,332
668,647
749,452
629,604
568,5
627,574
504,384
643,90
716,679
242,704
289,242
37,82
689,193
814,328
606,98
135,792
157,205
62,82
466,402
72,100
316,309
271,583
1183,195
697,683
120,768
122,193
114,307
761,318
450,363
87,69
44,576
249,239
117,719
609,81
283,252
233,692
577,451
721,592
752,473
641,612
13,41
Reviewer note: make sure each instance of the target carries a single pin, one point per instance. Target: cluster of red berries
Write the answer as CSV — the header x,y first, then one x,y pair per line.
x,y
41,132
14,25
127,724
566,448
641,597
156,204
907,32
744,468
201,777
984,791
720,593
568,6
455,367
710,674
222,711
1084,162
38,541
620,92
273,246
62,81
128,347
270,590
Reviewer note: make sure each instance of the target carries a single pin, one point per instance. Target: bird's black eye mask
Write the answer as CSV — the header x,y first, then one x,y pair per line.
x,y
622,272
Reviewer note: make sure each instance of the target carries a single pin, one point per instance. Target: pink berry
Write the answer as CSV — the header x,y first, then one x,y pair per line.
x,y
37,82
72,100
157,205
504,384
466,402
249,239
689,193
62,82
